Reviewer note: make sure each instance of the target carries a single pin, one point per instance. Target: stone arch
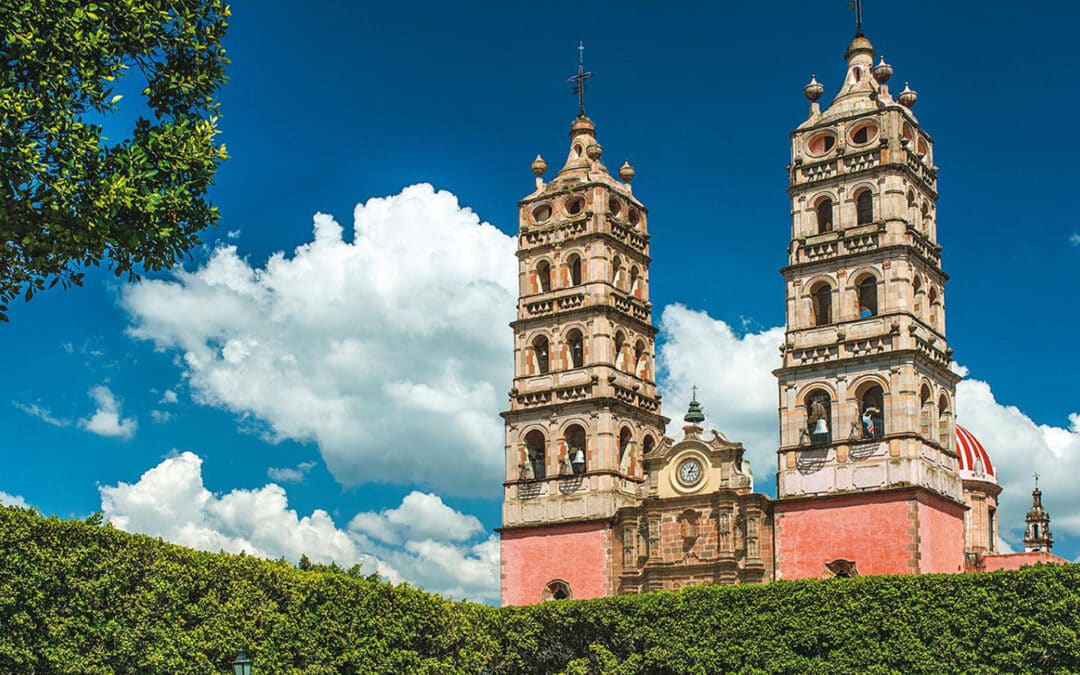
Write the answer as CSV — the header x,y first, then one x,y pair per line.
x,y
556,589
573,268
620,353
541,277
820,422
871,394
926,408
944,417
626,449
819,292
575,349
823,207
865,284
538,354
575,436
536,449
636,282
617,272
641,360
864,205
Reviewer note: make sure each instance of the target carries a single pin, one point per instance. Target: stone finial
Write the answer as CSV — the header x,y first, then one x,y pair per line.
x,y
626,172
908,97
593,151
882,71
539,166
813,89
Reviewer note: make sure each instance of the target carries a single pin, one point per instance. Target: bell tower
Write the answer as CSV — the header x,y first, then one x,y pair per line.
x,y
866,476
584,405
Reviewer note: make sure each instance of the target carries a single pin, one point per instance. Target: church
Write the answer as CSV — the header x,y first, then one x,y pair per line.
x,y
873,473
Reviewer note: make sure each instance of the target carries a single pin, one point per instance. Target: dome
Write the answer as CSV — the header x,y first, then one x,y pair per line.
x,y
974,460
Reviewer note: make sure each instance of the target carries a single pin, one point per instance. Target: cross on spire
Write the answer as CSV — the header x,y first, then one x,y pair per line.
x,y
857,6
579,80
1036,475
693,392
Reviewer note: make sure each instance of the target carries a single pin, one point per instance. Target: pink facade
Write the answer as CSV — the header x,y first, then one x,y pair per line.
x,y
901,532
534,558
1014,561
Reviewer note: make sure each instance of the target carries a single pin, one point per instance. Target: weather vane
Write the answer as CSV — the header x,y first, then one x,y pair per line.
x,y
579,80
857,6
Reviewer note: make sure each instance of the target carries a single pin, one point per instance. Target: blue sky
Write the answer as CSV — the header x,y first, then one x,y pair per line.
x,y
332,103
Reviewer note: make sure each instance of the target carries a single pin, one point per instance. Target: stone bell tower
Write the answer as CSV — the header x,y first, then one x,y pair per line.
x,y
584,406
1037,535
866,477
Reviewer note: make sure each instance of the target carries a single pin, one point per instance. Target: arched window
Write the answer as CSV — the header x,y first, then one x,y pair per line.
x,y
864,207
821,304
573,268
576,344
625,438
872,412
616,272
944,412
576,451
536,445
543,276
557,590
542,354
641,360
924,220
825,216
867,292
620,356
647,445
933,297
635,282
819,417
926,410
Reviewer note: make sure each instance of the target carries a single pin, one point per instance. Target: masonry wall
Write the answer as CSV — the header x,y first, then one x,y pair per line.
x,y
941,535
531,558
1014,561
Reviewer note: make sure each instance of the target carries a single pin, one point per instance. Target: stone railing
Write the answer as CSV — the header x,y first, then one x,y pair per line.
x,y
556,233
634,398
628,236
862,161
819,171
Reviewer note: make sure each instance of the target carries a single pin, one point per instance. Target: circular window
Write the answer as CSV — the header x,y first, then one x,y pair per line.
x,y
541,213
614,206
575,205
864,133
820,144
634,217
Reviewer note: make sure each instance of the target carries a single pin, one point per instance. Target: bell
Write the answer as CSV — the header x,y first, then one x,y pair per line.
x,y
821,427
578,462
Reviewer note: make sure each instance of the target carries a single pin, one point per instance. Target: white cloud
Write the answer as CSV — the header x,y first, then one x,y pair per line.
x,y
1004,547
289,474
40,412
171,501
233,234
1019,447
420,516
13,500
106,420
1074,238
391,352
168,397
160,416
734,378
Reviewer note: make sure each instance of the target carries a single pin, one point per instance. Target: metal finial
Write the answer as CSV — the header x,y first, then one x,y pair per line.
x,y
693,392
578,81
1036,475
857,6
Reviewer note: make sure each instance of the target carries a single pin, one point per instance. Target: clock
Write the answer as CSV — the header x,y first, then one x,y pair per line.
x,y
690,472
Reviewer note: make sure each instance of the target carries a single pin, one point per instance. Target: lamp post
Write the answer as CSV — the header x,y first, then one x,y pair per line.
x,y
241,665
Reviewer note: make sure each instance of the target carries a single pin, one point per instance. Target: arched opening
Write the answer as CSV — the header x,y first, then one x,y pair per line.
x,y
926,410
536,446
819,417
641,361
625,439
825,216
864,207
635,282
872,412
573,268
647,445
575,205
616,272
634,216
821,304
575,449
620,356
944,411
543,276
933,297
541,354
541,213
866,290
576,344
614,206
924,219
557,590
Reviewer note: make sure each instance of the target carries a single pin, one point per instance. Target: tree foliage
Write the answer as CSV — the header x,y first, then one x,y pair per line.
x,y
69,196
79,597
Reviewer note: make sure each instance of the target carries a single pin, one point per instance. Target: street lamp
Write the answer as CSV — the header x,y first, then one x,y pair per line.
x,y
241,665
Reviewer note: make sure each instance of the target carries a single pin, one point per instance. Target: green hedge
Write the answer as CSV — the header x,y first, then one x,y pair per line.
x,y
76,597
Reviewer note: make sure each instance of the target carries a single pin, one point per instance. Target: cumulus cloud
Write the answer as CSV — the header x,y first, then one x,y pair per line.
x,y
734,378
171,501
106,420
13,500
290,474
1019,447
40,412
168,397
420,516
390,351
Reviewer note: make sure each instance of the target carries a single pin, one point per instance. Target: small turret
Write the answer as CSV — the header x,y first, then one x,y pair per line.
x,y
1037,535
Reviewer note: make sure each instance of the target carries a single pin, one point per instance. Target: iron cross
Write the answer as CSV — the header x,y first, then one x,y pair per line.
x,y
579,80
857,6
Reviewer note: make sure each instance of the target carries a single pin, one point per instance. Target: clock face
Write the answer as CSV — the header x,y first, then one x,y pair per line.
x,y
690,472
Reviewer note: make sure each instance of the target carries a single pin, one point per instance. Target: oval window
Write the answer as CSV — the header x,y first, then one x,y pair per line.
x,y
863,134
614,206
821,144
541,213
634,217
575,205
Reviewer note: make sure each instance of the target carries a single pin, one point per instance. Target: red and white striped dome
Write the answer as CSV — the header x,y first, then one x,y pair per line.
x,y
974,460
